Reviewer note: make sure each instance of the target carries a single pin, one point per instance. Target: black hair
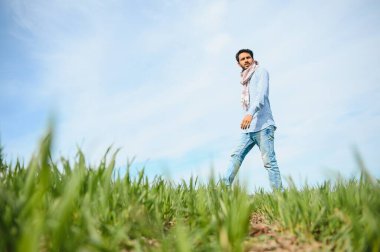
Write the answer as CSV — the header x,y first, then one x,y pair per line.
x,y
243,51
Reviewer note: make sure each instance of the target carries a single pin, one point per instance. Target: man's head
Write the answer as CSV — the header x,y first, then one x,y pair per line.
x,y
244,58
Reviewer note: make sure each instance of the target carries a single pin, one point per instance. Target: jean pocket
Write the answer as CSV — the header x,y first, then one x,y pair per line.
x,y
269,132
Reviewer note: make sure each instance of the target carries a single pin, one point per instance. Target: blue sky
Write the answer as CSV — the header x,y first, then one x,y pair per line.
x,y
158,80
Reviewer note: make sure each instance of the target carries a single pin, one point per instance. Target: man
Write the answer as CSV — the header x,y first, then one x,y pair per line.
x,y
257,125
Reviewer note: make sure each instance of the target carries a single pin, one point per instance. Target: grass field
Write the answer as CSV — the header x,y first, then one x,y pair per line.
x,y
80,208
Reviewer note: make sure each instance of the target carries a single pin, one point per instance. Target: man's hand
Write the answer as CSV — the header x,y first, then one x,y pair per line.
x,y
246,122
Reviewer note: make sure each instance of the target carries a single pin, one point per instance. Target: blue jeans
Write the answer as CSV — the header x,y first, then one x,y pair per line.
x,y
265,140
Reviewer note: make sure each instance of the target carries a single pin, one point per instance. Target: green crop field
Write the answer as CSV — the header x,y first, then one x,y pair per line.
x,y
70,206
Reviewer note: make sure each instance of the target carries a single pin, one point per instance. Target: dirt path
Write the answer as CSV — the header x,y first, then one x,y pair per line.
x,y
266,237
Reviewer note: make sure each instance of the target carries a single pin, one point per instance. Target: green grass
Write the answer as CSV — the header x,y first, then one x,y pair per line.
x,y
81,208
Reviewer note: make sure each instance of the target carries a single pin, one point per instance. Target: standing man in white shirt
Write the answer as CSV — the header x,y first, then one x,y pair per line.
x,y
257,125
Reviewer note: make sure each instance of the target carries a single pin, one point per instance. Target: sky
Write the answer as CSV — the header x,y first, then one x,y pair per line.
x,y
159,81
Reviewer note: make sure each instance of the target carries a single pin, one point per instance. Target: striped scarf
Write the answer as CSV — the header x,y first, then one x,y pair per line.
x,y
245,79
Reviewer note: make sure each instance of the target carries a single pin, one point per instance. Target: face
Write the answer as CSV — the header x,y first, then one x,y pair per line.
x,y
245,60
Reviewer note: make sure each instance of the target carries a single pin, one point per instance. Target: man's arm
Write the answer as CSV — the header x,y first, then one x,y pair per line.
x,y
258,100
